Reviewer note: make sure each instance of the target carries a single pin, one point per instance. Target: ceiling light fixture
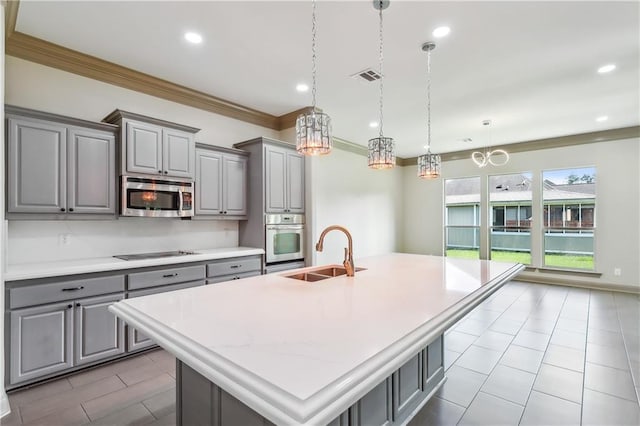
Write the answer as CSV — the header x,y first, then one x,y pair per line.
x,y
302,87
381,153
441,32
496,157
313,128
602,118
606,68
429,164
192,37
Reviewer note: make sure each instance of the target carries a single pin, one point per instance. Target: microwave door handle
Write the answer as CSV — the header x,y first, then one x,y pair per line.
x,y
180,203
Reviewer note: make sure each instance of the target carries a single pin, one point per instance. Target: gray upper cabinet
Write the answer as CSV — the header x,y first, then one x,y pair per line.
x,y
91,171
59,165
143,148
221,183
155,147
284,180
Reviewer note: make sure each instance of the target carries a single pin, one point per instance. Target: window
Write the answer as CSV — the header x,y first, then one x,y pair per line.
x,y
462,227
510,206
569,200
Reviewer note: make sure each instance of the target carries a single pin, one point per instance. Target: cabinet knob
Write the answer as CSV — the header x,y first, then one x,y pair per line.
x,y
71,209
78,304
69,306
160,171
63,209
166,172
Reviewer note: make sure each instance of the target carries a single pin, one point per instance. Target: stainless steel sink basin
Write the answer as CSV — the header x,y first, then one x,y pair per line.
x,y
322,273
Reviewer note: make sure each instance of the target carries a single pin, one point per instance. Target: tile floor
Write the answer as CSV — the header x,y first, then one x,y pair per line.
x,y
530,355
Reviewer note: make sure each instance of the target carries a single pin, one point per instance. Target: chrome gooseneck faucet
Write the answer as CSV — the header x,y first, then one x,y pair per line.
x,y
348,251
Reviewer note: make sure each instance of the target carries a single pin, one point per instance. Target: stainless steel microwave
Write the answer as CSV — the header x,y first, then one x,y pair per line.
x,y
145,197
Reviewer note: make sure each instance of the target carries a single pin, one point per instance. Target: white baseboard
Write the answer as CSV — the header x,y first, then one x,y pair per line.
x,y
557,279
4,404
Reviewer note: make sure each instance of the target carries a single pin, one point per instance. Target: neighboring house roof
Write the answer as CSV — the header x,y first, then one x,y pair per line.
x,y
514,189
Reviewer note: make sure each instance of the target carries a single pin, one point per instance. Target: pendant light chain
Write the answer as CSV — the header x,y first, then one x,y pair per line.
x,y
429,101
313,55
381,72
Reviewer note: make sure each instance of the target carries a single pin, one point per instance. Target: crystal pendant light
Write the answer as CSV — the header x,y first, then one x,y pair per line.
x,y
313,128
496,157
429,164
381,153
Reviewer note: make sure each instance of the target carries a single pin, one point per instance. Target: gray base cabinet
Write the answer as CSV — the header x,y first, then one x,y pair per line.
x,y
41,341
98,333
234,269
391,402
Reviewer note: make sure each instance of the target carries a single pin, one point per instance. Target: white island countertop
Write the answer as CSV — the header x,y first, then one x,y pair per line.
x,y
301,353
26,271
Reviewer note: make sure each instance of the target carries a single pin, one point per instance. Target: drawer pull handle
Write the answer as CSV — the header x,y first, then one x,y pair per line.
x,y
73,288
235,266
169,275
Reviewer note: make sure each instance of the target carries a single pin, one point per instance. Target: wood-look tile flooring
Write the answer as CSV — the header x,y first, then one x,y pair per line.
x,y
530,354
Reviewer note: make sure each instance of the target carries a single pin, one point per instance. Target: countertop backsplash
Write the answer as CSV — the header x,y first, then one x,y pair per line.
x,y
50,241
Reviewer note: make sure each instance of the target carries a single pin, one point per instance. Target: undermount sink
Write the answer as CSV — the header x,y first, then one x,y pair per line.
x,y
321,273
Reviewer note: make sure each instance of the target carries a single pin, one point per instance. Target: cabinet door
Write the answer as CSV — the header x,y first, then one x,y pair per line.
x,y
36,167
91,171
275,179
98,333
374,409
41,341
295,182
178,153
234,191
208,183
144,148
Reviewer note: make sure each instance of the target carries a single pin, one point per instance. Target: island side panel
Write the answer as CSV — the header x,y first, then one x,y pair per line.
x,y
393,401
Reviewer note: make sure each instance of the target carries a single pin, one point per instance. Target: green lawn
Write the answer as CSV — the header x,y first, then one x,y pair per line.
x,y
553,260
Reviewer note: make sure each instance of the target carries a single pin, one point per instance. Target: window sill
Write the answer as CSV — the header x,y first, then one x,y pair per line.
x,y
573,272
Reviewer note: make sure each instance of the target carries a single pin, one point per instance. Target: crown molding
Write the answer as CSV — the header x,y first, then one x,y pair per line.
x,y
549,143
33,49
10,17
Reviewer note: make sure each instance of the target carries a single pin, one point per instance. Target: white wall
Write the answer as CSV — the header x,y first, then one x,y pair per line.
x,y
43,88
617,202
342,190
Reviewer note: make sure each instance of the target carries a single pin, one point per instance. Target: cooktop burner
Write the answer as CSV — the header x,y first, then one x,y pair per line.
x,y
142,256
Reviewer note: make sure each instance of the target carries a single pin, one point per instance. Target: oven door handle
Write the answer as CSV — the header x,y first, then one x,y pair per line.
x,y
285,227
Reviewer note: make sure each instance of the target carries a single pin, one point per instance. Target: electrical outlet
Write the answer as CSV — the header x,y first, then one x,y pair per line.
x,y
64,239
617,272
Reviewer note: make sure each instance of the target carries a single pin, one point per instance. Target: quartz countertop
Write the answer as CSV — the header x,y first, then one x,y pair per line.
x,y
300,352
25,271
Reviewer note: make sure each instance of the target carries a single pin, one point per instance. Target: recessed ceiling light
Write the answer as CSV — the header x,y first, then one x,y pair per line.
x,y
606,68
602,118
373,124
441,32
301,87
194,38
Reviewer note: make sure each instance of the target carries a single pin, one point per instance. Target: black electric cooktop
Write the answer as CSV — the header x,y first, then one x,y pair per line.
x,y
156,255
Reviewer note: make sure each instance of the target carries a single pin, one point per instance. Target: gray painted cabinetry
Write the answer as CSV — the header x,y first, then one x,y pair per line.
x,y
58,165
392,402
154,147
284,180
221,182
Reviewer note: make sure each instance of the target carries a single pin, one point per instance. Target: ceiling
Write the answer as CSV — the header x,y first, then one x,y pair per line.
x,y
529,66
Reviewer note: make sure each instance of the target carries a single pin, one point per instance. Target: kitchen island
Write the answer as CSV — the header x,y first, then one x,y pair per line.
x,y
343,350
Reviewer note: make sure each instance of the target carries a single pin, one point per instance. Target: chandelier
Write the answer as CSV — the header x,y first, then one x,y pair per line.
x,y
381,153
313,128
496,157
429,164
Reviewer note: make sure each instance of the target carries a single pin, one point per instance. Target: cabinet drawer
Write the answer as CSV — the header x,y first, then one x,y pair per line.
x,y
165,276
164,289
224,278
234,266
39,294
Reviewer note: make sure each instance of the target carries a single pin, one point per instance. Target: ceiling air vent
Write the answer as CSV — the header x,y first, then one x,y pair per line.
x,y
367,75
